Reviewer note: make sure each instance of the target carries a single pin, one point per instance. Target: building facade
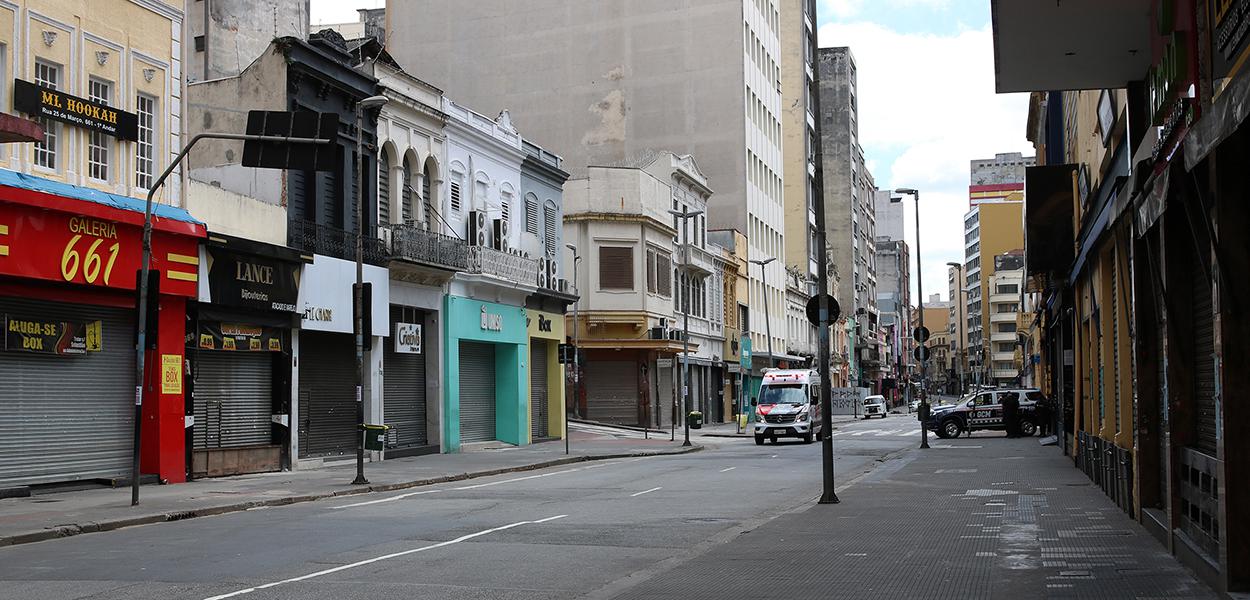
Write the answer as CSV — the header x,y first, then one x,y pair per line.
x,y
1003,305
600,108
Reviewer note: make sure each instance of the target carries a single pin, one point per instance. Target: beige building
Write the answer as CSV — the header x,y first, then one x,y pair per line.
x,y
124,54
798,126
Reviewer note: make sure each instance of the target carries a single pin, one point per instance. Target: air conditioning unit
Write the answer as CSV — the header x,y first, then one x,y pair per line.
x,y
657,333
675,335
544,280
479,235
501,235
552,268
563,286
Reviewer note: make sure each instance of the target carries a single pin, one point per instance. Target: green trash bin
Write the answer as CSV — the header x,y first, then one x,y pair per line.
x,y
696,419
375,437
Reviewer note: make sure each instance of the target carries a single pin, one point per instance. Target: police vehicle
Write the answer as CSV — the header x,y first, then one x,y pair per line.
x,y
788,405
983,410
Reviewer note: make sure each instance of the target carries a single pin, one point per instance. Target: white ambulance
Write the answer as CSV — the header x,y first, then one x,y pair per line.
x,y
788,405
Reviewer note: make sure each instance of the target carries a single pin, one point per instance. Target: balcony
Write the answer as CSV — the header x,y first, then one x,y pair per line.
x,y
334,242
1004,373
701,263
419,246
512,268
1005,298
1003,336
1003,317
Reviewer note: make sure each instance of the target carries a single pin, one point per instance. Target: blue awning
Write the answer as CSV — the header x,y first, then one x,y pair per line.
x,y
23,181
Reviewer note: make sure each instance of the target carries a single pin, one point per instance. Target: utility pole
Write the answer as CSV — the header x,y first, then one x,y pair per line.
x,y
576,366
768,321
686,214
922,348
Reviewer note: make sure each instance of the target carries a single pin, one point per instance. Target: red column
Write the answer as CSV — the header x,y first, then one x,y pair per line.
x,y
163,448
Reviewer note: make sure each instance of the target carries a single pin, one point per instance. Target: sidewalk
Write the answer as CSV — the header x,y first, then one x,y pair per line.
x,y
985,517
48,516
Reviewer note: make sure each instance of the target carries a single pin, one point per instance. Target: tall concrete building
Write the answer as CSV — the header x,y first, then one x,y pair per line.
x,y
850,221
798,126
599,81
993,226
227,35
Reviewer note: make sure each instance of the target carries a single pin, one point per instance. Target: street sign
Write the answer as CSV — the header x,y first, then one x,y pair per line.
x,y
921,334
813,309
921,353
296,124
745,355
565,353
664,363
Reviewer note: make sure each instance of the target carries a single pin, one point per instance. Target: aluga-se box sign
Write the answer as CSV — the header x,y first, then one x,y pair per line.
x,y
407,338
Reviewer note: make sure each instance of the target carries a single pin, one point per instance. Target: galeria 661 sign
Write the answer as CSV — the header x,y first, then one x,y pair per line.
x,y
90,251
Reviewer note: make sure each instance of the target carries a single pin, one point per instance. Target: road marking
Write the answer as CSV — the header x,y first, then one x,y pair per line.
x,y
890,432
514,480
948,447
773,456
866,431
463,538
645,492
391,499
913,432
728,469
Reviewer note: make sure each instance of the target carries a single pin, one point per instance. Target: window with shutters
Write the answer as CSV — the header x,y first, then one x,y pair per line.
x,y
405,207
384,188
651,274
616,268
453,192
551,221
505,206
531,214
664,274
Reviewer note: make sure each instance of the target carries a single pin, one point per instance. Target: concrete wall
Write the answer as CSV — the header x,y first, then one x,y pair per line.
x,y
889,216
237,33
797,148
237,215
838,146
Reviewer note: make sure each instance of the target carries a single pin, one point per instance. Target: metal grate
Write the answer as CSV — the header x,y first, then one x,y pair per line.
x,y
333,242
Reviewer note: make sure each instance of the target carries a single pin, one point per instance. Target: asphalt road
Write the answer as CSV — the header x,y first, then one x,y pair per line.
x,y
588,529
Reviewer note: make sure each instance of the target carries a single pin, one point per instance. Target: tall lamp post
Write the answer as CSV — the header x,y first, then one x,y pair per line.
x,y
576,366
686,214
358,290
923,349
959,325
768,321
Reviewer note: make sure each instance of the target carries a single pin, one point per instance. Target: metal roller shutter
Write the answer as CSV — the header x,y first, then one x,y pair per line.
x,y
664,396
327,394
477,392
403,387
65,418
233,399
612,391
1204,361
538,389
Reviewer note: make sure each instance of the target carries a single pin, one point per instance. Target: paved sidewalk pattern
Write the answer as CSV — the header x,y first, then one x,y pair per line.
x,y
986,517
53,515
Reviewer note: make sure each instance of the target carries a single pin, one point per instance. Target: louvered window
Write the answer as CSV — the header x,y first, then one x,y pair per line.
x,y
664,274
551,220
384,188
406,196
454,194
616,268
651,277
531,214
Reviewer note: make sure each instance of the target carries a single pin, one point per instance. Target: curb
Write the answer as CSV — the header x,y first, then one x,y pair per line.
x,y
616,426
63,531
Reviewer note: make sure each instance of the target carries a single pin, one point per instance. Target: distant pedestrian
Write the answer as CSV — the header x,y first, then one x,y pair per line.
x,y
1045,414
1011,414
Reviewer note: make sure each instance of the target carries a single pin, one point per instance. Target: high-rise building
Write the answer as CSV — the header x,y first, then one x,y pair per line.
x,y
227,35
993,226
1004,307
600,81
798,125
850,221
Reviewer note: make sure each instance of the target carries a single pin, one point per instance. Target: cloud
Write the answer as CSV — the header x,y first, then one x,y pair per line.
x,y
927,108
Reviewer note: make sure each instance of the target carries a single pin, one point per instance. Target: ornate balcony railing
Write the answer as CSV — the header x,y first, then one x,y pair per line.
x,y
413,244
510,267
332,241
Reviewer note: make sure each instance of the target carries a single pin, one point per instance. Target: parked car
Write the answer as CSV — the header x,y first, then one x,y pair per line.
x,y
874,406
914,406
984,410
788,406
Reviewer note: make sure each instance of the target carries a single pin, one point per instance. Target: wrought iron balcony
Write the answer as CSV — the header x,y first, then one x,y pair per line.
x,y
334,242
416,245
513,268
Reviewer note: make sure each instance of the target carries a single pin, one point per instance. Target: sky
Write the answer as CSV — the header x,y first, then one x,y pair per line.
x,y
927,105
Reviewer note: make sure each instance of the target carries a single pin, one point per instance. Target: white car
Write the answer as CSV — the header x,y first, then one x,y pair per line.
x,y
914,406
874,406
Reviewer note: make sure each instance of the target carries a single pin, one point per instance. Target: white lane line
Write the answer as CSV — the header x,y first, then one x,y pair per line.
x,y
370,561
514,480
645,492
864,432
728,469
773,456
391,499
913,432
838,433
885,433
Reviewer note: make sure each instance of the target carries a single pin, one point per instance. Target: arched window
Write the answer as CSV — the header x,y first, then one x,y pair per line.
x,y
384,188
406,209
551,223
531,214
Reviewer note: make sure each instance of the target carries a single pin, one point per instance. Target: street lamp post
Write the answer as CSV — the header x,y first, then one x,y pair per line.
x,y
959,311
768,321
358,290
923,349
686,214
576,366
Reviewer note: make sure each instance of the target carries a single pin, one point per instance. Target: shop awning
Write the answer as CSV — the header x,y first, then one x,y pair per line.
x,y
30,190
1218,121
664,346
16,129
1048,202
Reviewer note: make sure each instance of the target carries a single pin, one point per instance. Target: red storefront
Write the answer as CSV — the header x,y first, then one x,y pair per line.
x,y
69,261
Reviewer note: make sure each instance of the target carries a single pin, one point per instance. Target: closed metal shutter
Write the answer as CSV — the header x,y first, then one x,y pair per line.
x,y
664,396
403,388
327,394
612,391
233,399
1204,361
65,418
1115,339
477,392
538,389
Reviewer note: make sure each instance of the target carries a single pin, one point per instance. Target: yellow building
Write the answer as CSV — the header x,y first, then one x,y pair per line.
x,y
125,54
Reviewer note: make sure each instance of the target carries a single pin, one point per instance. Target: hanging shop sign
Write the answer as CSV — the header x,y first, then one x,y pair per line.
x,y
42,336
248,281
407,338
238,337
1230,29
91,251
40,101
325,296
